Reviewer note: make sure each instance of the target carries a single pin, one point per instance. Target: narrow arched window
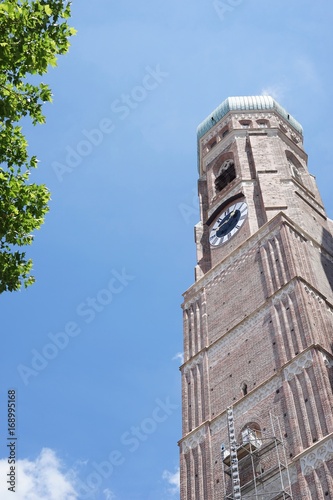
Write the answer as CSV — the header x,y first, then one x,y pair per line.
x,y
251,434
263,123
245,123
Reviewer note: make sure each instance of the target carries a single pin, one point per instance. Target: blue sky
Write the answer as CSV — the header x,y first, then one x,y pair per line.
x,y
93,348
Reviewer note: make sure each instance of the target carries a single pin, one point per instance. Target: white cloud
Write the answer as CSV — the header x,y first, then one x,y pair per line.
x,y
180,356
40,479
108,494
173,480
276,91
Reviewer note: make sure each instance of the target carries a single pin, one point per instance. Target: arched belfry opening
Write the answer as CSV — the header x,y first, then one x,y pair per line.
x,y
226,174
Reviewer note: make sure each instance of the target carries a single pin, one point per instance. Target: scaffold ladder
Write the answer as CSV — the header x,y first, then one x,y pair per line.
x,y
233,455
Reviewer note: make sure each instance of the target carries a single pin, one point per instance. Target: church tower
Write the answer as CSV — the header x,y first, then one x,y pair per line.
x,y
257,377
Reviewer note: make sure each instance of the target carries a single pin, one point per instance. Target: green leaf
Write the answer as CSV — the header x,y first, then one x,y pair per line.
x,y
33,33
48,10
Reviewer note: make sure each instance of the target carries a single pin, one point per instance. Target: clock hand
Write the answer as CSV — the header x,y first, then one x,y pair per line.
x,y
225,220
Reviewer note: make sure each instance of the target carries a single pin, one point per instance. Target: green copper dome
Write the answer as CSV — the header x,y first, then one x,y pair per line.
x,y
247,103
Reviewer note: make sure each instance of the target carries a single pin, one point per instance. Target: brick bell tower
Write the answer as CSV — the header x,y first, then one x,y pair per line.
x,y
257,377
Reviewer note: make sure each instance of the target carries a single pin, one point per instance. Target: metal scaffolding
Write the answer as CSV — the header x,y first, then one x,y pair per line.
x,y
256,468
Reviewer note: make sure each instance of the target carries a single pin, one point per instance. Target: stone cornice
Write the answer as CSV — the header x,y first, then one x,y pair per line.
x,y
315,456
264,233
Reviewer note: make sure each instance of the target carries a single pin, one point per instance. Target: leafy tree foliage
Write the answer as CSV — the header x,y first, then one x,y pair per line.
x,y
32,34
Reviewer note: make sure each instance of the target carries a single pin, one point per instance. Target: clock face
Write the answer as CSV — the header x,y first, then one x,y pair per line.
x,y
229,222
